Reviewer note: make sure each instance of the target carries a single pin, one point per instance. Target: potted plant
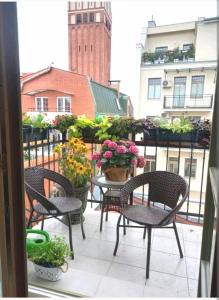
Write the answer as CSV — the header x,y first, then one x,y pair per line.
x,y
150,129
118,159
49,261
180,129
63,122
27,127
76,166
35,127
203,129
121,127
83,127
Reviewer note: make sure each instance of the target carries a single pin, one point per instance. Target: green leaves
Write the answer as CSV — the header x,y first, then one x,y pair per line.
x,y
53,255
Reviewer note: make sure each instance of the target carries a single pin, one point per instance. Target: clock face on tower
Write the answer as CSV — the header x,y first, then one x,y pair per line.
x,y
89,33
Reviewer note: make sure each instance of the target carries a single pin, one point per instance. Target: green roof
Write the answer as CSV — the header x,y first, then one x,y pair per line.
x,y
107,101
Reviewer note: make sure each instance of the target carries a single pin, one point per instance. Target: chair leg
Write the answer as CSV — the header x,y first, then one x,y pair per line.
x,y
42,224
107,210
144,234
124,228
177,239
29,221
82,225
70,235
148,253
117,235
101,216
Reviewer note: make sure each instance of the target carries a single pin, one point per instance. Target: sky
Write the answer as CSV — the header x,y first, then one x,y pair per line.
x,y
43,32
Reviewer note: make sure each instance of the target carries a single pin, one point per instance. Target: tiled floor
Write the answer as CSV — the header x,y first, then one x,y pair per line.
x,y
96,272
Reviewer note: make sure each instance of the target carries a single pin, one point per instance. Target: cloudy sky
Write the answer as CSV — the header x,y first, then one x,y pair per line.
x,y
43,32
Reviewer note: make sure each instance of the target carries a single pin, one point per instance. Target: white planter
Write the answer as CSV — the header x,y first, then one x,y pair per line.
x,y
51,274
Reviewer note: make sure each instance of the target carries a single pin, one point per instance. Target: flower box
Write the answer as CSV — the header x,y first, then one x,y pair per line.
x,y
39,134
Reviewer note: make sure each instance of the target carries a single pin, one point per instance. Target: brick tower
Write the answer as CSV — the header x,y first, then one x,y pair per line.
x,y
89,33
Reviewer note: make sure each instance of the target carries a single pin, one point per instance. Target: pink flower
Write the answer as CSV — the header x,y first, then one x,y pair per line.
x,y
133,149
99,163
112,145
96,156
121,149
108,154
134,162
141,161
129,144
107,142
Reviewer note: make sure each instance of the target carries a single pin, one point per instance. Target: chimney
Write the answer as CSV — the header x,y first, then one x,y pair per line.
x,y
115,84
151,24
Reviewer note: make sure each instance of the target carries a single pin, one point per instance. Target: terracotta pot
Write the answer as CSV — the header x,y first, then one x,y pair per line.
x,y
116,174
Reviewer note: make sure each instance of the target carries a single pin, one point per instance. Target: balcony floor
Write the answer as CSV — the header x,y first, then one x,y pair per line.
x,y
96,272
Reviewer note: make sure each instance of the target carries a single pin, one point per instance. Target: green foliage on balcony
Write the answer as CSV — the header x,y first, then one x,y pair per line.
x,y
169,56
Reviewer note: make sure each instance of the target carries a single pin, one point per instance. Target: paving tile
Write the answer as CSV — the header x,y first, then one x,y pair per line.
x,y
98,249
89,264
127,273
193,288
192,265
168,263
192,249
192,233
167,245
130,255
160,284
111,287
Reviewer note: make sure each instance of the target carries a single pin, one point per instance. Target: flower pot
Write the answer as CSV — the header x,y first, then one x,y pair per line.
x,y
50,273
151,134
88,133
38,134
168,135
116,174
27,130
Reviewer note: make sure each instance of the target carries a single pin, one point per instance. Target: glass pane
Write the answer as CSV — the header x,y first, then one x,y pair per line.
x,y
60,104
67,104
38,103
45,104
157,92
151,92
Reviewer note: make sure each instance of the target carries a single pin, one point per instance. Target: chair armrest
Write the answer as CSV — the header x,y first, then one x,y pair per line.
x,y
61,180
34,195
173,212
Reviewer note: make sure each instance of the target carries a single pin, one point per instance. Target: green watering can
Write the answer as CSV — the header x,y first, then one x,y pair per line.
x,y
33,243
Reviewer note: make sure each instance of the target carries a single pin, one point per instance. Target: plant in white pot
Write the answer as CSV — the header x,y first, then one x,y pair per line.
x,y
50,261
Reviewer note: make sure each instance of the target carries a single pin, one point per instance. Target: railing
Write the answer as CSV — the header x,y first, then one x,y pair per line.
x,y
185,158
45,110
188,101
170,56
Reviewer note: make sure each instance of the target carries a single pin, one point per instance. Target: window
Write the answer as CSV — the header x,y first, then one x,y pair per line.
x,y
91,48
154,88
85,19
64,104
172,165
197,88
79,48
78,18
85,48
91,17
193,167
187,47
150,163
41,104
161,49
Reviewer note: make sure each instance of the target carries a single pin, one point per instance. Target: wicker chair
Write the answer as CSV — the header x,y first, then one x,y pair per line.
x,y
165,188
45,208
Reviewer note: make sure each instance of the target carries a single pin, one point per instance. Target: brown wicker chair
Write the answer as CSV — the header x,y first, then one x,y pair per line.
x,y
165,188
45,208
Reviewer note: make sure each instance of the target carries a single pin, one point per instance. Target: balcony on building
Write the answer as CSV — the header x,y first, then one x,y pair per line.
x,y
188,102
162,55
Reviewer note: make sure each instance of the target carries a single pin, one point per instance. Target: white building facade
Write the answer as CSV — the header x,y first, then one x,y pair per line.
x,y
177,78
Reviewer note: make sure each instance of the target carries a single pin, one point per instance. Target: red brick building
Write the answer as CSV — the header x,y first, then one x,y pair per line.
x,y
57,91
89,29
